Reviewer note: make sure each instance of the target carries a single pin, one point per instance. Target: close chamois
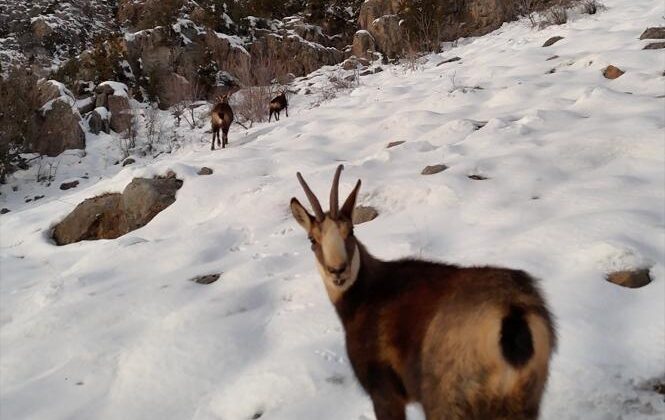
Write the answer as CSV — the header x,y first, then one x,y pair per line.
x,y
278,104
221,116
466,343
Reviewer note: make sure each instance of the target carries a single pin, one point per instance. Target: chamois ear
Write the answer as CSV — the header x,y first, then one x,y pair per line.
x,y
350,203
301,215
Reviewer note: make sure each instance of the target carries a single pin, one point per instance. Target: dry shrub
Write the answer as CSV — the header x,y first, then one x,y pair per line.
x,y
185,98
424,20
591,7
412,57
557,15
335,84
265,75
251,104
18,104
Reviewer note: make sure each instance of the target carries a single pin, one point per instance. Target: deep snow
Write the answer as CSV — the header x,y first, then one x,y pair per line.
x,y
576,172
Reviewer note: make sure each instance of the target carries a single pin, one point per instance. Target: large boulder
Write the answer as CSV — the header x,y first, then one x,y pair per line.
x,y
121,113
47,90
363,44
59,128
379,18
293,54
172,89
374,9
95,218
98,121
110,216
144,198
389,35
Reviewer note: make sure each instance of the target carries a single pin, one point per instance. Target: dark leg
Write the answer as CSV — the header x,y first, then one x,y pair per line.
x,y
287,111
387,393
225,139
277,115
270,117
212,147
389,408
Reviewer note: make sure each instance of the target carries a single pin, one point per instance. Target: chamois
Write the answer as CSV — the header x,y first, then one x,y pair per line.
x,y
278,104
221,116
466,343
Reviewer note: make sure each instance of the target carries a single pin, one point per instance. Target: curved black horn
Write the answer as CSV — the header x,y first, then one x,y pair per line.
x,y
316,206
334,193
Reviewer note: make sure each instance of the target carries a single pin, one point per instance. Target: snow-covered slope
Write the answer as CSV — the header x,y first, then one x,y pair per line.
x,y
576,172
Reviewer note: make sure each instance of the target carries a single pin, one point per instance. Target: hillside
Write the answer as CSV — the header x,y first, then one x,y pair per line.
x,y
551,168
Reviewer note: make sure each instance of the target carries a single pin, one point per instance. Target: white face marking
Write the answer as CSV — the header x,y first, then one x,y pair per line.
x,y
332,246
349,277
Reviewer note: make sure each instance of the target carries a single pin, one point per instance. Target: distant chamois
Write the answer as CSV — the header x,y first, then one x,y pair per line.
x,y
466,343
278,104
221,116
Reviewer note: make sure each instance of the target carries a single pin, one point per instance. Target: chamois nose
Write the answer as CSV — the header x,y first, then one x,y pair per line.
x,y
337,271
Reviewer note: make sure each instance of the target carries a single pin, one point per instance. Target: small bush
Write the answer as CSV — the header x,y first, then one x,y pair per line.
x,y
557,15
424,20
591,7
252,104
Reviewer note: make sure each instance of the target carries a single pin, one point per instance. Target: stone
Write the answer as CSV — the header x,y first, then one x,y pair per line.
x,y
363,214
47,90
654,33
450,60
363,45
395,143
654,46
350,64
552,41
389,36
378,70
101,100
110,216
121,113
4,210
128,161
433,169
477,177
60,129
207,278
611,72
554,57
205,171
144,198
86,105
95,218
84,89
98,121
371,10
69,185
630,278
172,89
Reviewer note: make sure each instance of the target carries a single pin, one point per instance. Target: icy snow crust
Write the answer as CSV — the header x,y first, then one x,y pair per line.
x,y
576,165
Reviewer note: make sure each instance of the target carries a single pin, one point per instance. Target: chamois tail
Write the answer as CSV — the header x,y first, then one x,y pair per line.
x,y
516,338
